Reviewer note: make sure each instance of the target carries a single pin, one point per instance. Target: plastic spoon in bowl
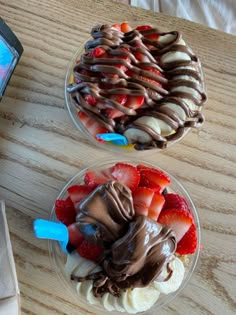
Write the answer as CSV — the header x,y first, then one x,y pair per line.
x,y
113,137
51,230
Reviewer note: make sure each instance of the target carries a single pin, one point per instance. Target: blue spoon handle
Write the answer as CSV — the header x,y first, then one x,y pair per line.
x,y
113,137
51,230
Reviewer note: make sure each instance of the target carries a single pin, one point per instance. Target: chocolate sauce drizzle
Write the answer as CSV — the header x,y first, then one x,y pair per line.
x,y
135,80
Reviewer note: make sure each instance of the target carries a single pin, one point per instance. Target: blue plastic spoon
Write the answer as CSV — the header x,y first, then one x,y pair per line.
x,y
113,137
51,230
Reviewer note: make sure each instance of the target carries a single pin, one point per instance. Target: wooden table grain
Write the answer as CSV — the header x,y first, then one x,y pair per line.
x,y
40,149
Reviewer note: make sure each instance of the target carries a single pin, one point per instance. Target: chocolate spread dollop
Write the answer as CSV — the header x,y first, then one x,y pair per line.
x,y
138,81
103,215
137,249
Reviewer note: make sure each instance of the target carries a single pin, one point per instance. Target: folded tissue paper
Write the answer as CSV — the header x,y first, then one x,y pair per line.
x,y
9,290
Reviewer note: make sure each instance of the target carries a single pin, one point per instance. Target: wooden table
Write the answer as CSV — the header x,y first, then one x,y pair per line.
x,y
40,149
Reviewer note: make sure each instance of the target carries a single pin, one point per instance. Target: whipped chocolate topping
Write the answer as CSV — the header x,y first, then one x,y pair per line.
x,y
104,214
180,80
136,249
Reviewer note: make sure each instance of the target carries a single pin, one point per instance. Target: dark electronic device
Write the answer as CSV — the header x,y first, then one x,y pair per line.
x,y
10,53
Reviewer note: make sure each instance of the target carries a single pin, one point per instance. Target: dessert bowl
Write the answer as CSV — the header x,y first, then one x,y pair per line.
x,y
64,263
144,86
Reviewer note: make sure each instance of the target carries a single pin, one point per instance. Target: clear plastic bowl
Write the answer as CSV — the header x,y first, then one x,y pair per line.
x,y
58,258
73,110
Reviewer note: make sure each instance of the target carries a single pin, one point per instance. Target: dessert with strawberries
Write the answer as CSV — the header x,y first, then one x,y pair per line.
x,y
141,83
129,236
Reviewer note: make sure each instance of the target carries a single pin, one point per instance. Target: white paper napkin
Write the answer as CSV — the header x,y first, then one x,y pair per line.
x,y
218,14
9,290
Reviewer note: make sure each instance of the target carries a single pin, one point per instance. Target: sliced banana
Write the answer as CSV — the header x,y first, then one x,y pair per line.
x,y
157,125
135,135
175,280
172,56
186,89
142,299
177,109
185,77
106,302
116,302
166,39
79,266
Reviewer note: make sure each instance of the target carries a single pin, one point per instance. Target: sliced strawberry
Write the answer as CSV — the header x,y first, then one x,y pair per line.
x,y
134,102
179,220
188,244
175,201
124,56
85,72
91,125
127,174
125,27
65,211
75,237
152,36
116,25
93,178
140,56
119,98
156,205
154,178
143,27
151,69
144,167
90,99
111,74
78,192
96,52
113,112
142,198
89,251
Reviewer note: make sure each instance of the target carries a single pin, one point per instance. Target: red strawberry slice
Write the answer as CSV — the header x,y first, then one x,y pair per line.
x,y
116,25
156,205
127,174
91,125
113,112
143,27
175,201
134,102
179,220
140,57
152,36
110,74
89,251
154,178
75,237
144,167
151,69
96,52
188,244
125,27
142,198
78,192
65,211
119,98
90,99
93,178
